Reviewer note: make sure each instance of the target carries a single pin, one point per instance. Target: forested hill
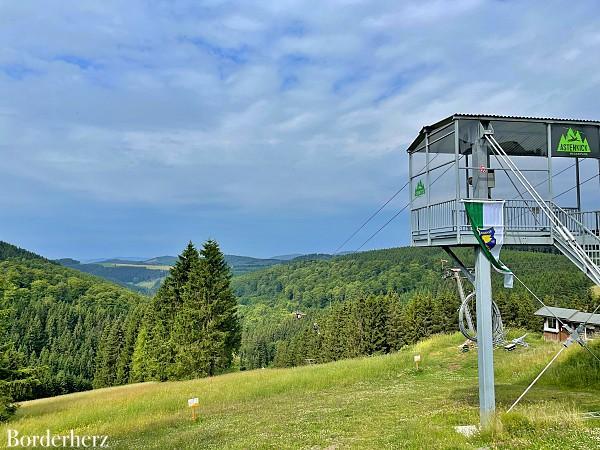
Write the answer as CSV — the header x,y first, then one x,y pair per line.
x,y
51,321
317,284
379,301
9,251
146,276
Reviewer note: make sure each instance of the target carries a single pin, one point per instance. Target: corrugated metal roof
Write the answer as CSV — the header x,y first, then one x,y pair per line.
x,y
582,317
531,118
551,311
454,116
571,315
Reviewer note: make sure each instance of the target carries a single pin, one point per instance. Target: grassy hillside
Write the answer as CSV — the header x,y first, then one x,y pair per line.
x,y
376,402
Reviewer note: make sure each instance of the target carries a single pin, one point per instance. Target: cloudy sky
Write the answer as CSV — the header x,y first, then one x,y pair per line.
x,y
129,128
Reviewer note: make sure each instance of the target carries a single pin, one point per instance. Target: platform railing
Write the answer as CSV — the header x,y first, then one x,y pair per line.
x,y
520,217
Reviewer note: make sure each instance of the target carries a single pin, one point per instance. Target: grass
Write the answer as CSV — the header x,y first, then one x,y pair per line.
x,y
376,402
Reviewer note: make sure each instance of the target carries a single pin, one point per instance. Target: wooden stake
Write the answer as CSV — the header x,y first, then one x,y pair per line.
x,y
193,403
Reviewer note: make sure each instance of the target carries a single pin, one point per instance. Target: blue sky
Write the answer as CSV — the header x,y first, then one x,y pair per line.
x,y
129,128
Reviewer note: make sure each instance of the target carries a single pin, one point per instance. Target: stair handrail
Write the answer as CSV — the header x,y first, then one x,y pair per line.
x,y
577,221
563,232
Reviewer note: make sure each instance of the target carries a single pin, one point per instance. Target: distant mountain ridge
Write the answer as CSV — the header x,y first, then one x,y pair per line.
x,y
286,257
161,260
146,275
233,260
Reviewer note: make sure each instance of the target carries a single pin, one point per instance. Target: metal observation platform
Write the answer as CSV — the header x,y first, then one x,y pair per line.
x,y
545,171
560,157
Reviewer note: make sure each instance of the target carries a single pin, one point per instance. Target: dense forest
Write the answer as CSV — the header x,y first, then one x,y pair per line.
x,y
52,321
65,331
390,285
190,329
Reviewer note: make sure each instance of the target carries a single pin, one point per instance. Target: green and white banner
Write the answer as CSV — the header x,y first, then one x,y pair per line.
x,y
487,221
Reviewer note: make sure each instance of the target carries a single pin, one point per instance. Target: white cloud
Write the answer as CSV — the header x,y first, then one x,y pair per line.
x,y
262,105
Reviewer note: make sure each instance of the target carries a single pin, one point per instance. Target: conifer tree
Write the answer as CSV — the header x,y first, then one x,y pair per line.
x,y
168,299
395,325
138,360
130,330
108,354
221,301
417,317
207,330
15,379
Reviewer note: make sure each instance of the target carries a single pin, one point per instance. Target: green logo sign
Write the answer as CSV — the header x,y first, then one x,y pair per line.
x,y
573,143
419,189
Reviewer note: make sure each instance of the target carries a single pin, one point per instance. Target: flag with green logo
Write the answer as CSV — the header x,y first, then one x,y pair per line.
x,y
487,222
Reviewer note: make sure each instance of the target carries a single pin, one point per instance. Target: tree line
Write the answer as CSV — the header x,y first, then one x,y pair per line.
x,y
348,327
63,331
190,328
374,324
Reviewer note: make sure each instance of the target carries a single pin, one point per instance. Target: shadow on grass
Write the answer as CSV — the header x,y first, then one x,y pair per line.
x,y
506,394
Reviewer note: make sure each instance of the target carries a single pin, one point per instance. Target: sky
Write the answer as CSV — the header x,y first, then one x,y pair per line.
x,y
274,127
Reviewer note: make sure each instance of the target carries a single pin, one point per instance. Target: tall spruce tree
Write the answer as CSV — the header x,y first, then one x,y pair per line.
x,y
154,352
168,299
16,380
207,330
130,330
109,350
138,371
221,301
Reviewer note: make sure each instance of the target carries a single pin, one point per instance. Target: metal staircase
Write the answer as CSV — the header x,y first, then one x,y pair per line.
x,y
586,238
570,235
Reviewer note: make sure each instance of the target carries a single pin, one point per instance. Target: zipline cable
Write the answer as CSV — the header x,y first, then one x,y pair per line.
x,y
399,212
574,187
536,379
372,216
583,344
382,227
579,341
592,314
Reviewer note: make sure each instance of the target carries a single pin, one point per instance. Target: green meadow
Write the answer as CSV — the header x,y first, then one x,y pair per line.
x,y
373,402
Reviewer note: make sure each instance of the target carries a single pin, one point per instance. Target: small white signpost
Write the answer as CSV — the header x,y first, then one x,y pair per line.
x,y
194,404
417,359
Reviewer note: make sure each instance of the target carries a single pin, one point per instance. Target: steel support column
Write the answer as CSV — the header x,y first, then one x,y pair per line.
x,y
455,219
483,295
